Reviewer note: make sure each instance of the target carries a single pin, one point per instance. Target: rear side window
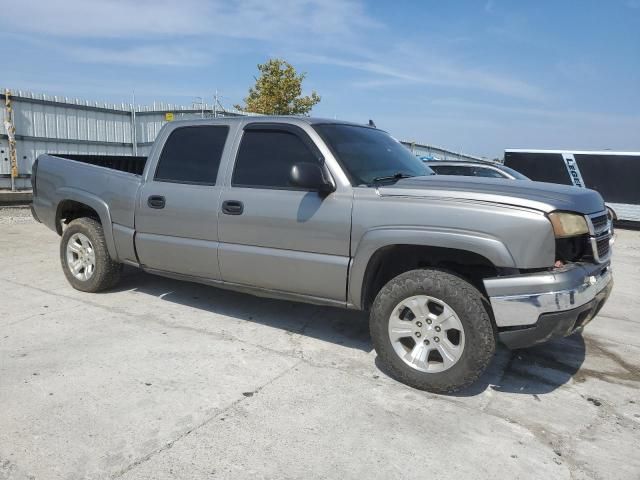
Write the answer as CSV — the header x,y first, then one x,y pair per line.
x,y
192,155
266,156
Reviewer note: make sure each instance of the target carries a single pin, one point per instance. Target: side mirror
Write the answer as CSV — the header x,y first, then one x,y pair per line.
x,y
311,176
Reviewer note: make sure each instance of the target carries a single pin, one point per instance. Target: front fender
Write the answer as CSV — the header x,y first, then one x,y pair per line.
x,y
479,243
97,204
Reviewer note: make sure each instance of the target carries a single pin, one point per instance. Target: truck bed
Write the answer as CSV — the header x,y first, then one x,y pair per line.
x,y
122,163
108,184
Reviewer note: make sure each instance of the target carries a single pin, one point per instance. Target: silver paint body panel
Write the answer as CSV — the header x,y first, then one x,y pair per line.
x,y
297,244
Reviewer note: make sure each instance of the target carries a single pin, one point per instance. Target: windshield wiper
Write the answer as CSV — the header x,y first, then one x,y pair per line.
x,y
395,176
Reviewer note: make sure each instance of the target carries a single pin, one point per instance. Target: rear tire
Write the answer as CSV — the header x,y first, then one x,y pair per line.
x,y
403,322
85,259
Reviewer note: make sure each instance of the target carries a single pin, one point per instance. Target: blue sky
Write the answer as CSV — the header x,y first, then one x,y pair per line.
x,y
475,76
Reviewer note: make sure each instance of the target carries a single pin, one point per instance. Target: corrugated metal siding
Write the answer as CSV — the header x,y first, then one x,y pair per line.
x,y
439,153
46,124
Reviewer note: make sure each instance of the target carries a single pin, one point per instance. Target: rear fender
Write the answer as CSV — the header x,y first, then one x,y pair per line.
x,y
97,204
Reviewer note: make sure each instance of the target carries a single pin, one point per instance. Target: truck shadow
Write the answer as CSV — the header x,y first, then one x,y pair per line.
x,y
537,370
343,327
532,371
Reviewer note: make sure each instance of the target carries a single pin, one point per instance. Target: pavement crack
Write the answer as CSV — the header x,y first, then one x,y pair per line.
x,y
145,458
632,369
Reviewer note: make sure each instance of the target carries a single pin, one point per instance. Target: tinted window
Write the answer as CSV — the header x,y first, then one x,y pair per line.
x,y
452,170
266,156
542,167
367,153
192,155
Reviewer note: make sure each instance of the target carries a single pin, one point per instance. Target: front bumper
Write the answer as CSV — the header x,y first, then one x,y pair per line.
x,y
531,309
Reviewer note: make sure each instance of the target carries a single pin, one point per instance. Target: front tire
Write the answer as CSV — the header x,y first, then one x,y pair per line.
x,y
85,259
432,331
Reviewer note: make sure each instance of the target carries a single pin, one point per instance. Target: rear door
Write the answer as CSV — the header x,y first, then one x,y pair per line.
x,y
276,236
176,217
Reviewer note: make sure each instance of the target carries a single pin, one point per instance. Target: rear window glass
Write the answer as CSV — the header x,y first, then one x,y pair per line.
x,y
452,170
192,155
487,172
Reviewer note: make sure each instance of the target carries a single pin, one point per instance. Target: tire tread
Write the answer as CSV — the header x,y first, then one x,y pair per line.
x,y
108,271
478,329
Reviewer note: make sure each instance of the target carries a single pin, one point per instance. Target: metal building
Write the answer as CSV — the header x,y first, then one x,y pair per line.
x,y
33,124
431,152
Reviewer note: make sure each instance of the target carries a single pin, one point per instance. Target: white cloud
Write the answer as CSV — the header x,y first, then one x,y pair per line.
x,y
255,19
166,55
413,68
193,32
170,32
547,112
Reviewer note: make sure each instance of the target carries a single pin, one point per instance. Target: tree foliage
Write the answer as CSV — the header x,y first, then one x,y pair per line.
x,y
278,91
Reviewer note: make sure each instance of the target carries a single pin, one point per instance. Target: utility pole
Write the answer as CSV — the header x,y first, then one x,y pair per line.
x,y
11,134
200,102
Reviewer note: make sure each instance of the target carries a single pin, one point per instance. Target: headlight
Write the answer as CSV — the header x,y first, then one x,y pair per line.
x,y
568,224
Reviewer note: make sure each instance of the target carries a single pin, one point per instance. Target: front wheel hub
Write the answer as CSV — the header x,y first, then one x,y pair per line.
x,y
437,325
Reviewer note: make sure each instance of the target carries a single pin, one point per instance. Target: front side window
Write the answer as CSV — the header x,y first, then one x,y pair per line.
x,y
266,156
192,155
370,156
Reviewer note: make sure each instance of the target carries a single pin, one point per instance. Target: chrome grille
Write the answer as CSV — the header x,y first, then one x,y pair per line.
x,y
600,236
602,246
600,223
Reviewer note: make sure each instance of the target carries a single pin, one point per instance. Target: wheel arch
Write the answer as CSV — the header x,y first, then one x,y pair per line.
x,y
463,253
76,204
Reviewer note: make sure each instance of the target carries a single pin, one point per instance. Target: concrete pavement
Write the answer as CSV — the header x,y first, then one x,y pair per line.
x,y
160,379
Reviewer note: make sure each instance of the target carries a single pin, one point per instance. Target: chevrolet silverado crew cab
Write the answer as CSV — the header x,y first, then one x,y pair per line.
x,y
339,214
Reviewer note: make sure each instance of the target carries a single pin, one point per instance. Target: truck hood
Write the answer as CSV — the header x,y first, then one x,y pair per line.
x,y
545,197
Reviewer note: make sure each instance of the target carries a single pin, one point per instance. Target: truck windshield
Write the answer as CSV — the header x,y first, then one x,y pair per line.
x,y
370,156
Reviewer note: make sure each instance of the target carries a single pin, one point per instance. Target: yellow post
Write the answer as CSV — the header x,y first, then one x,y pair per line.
x,y
11,134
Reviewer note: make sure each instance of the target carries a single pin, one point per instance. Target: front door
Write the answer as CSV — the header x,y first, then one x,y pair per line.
x,y
276,236
176,218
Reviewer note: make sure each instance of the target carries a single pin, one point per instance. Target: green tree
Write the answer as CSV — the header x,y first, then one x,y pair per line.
x,y
278,91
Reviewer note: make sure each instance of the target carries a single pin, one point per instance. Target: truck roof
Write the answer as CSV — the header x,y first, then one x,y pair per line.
x,y
270,118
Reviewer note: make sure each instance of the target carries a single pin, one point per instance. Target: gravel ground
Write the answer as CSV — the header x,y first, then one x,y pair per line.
x,y
15,215
161,379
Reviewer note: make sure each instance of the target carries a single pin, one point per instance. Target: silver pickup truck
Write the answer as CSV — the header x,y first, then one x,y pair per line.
x,y
340,214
